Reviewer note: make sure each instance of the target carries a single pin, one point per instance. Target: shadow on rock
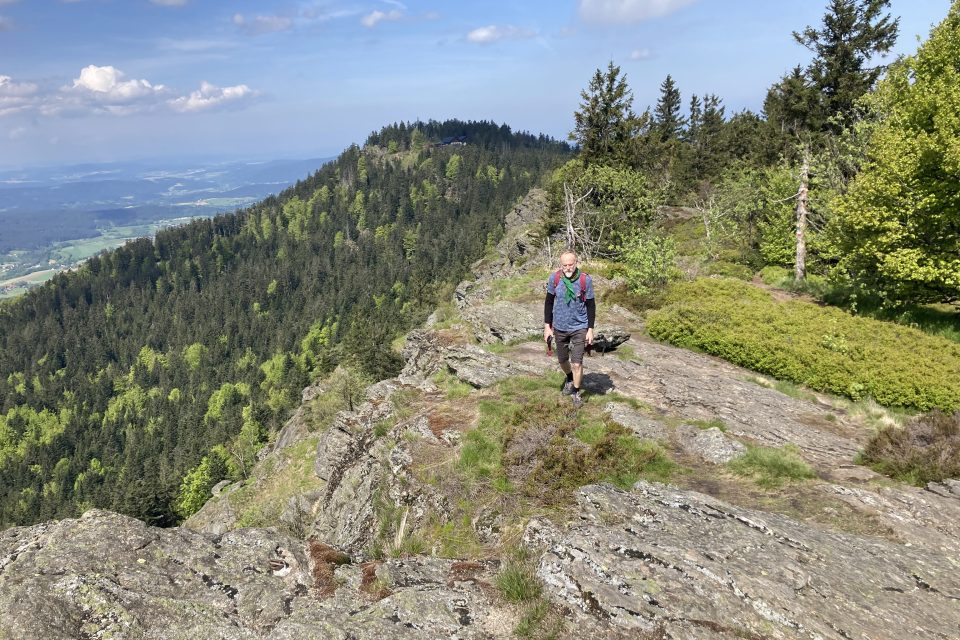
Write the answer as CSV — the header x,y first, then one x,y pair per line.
x,y
599,383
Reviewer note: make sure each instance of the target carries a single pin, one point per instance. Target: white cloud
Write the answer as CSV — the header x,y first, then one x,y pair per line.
x,y
10,88
627,11
211,97
107,90
492,33
169,3
641,54
103,90
322,12
15,96
258,25
194,46
371,19
17,133
107,85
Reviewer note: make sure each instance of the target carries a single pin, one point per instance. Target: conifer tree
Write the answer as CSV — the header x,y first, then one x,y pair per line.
x,y
853,31
604,122
667,119
792,105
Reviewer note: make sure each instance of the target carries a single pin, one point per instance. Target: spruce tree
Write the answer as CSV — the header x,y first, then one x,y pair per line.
x,y
668,121
604,122
853,31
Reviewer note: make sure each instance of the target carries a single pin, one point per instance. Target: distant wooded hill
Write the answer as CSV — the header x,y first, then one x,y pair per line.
x,y
117,379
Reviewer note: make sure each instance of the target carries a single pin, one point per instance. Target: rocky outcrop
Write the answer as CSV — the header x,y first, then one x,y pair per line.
x,y
109,576
678,564
694,387
427,353
711,444
503,322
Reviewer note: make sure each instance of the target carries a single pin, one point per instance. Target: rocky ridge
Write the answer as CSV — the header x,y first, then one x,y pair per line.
x,y
845,555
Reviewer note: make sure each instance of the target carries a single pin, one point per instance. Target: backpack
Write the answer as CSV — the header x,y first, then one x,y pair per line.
x,y
583,284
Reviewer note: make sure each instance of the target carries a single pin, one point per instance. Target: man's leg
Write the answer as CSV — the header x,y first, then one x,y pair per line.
x,y
577,341
563,357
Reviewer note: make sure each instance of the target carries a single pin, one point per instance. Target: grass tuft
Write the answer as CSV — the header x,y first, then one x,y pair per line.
x,y
771,467
517,583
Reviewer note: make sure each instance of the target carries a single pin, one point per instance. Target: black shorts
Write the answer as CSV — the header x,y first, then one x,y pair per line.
x,y
570,345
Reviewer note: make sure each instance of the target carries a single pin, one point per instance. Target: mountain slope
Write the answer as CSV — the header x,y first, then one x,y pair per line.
x,y
179,357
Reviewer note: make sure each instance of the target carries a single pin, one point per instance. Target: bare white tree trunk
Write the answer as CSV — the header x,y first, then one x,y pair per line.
x,y
800,269
578,235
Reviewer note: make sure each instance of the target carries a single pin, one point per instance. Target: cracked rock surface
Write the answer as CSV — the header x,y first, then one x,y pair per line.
x,y
685,565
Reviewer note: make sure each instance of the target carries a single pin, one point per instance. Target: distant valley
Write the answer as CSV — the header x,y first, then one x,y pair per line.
x,y
52,219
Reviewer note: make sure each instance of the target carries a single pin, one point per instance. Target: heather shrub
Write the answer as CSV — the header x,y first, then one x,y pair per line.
x,y
926,450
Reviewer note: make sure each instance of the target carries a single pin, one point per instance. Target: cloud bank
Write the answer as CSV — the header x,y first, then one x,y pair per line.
x,y
210,97
15,96
371,19
493,33
627,11
258,25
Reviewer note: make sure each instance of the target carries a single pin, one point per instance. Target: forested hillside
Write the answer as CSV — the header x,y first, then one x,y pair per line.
x,y
184,353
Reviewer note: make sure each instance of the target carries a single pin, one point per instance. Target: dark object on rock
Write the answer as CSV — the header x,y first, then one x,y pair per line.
x,y
609,339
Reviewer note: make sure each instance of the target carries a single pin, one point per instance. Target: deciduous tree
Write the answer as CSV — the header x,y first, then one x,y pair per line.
x,y
897,229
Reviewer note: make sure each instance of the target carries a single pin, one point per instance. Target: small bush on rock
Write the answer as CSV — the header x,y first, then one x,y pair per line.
x,y
926,450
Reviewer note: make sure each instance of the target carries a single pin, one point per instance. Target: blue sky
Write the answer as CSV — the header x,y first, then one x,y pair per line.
x,y
116,80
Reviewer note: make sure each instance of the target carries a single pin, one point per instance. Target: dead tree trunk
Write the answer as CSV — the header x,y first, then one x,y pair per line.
x,y
576,231
800,269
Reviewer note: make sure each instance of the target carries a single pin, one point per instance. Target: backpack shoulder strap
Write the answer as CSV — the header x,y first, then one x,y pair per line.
x,y
583,287
556,279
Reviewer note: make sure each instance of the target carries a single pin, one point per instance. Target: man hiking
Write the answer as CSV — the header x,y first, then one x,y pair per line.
x,y
569,312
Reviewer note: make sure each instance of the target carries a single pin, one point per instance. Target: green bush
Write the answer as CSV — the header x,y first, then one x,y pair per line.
x,y
649,260
820,347
730,269
775,276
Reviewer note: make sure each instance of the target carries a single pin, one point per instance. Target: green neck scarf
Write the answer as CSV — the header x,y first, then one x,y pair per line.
x,y
568,285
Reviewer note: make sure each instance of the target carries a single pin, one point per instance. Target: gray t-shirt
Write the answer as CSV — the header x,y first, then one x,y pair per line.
x,y
572,315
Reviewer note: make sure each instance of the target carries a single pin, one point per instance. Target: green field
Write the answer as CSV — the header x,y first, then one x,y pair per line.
x,y
35,267
29,280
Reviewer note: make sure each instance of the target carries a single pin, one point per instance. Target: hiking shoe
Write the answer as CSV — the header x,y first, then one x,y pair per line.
x,y
577,400
567,388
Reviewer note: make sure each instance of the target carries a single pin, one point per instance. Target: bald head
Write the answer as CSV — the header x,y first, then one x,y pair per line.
x,y
568,262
